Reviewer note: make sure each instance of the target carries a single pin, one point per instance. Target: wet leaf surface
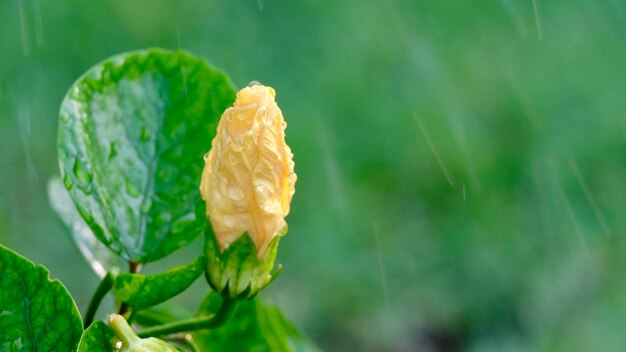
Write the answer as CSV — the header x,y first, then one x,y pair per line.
x,y
132,134
36,313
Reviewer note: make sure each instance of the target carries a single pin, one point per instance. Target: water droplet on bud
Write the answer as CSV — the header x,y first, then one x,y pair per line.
x,y
235,193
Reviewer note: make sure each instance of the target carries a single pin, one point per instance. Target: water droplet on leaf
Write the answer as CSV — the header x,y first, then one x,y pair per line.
x,y
82,172
114,150
132,190
145,134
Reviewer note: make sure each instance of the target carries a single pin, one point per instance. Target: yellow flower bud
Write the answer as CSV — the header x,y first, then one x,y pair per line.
x,y
248,179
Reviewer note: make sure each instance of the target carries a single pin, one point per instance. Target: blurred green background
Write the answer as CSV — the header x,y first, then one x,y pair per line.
x,y
462,165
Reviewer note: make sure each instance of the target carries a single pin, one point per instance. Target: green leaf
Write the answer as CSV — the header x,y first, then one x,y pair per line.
x,y
132,134
166,312
144,291
98,338
36,313
255,326
101,259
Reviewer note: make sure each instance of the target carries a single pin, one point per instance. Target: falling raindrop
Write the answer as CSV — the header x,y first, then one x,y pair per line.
x,y
24,28
538,19
38,23
182,66
443,166
25,134
575,222
383,278
590,199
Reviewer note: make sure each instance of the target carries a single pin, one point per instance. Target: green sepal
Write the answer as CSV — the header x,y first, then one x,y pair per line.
x,y
238,272
140,291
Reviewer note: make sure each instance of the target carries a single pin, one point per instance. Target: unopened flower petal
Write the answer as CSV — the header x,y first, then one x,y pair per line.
x,y
248,179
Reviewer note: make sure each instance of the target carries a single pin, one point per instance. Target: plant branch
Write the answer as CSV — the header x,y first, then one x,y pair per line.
x,y
198,323
103,288
133,268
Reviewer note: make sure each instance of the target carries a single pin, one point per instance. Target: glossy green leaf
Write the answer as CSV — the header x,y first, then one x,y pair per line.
x,y
36,313
164,313
132,134
143,291
255,326
98,338
99,257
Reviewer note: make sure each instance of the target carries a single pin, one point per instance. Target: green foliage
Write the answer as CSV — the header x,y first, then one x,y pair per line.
x,y
144,291
255,326
97,338
238,272
161,314
95,252
36,314
132,134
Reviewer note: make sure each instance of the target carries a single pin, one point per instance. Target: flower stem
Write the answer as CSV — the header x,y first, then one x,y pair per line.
x,y
197,323
123,331
103,288
133,268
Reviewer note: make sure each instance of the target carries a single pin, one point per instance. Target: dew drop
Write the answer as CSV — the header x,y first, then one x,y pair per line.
x,y
88,189
206,157
254,83
67,181
146,205
229,221
262,189
232,158
145,134
235,193
132,190
82,172
270,206
113,151
182,223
